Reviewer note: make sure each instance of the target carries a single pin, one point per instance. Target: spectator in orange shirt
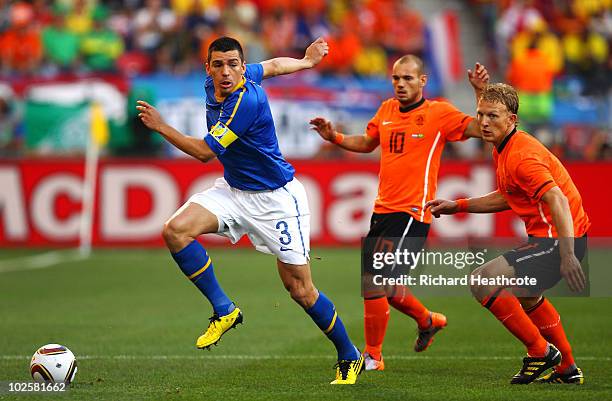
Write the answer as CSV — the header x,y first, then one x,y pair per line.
x,y
21,45
404,30
544,39
346,45
532,74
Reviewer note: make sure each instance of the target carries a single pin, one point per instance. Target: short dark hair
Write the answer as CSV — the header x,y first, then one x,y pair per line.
x,y
502,93
225,44
411,58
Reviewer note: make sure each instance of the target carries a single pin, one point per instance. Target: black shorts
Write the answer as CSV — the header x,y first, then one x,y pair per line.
x,y
540,259
391,232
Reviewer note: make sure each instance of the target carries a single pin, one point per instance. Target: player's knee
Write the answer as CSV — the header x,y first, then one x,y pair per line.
x,y
478,278
301,293
474,280
169,232
529,302
175,233
298,293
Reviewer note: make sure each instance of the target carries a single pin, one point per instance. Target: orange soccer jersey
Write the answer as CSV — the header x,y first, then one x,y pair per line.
x,y
411,142
525,170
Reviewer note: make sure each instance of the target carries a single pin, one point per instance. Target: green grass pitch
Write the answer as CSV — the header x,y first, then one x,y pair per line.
x,y
132,318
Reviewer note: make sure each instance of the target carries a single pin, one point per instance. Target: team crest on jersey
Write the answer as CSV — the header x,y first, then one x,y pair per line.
x,y
223,134
419,119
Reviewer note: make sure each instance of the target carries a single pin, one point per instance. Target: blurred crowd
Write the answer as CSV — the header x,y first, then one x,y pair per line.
x,y
555,52
550,50
140,36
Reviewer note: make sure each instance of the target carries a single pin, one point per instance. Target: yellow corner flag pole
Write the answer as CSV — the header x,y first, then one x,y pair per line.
x,y
98,138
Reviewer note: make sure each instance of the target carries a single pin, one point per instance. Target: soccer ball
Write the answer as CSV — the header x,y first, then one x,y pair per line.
x,y
53,363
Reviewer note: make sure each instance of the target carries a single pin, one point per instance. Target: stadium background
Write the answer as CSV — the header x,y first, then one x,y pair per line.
x,y
73,68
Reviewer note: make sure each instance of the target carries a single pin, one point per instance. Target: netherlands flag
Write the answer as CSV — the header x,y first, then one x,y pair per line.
x,y
443,52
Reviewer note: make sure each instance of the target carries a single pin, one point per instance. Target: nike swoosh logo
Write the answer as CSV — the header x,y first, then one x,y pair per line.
x,y
387,122
283,249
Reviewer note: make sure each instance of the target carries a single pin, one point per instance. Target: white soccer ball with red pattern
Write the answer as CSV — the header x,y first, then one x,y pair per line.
x,y
53,363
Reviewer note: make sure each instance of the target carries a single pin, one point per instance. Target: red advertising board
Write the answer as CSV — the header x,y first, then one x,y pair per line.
x,y
40,200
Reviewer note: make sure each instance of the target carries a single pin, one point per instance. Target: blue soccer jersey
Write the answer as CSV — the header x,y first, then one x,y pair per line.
x,y
241,133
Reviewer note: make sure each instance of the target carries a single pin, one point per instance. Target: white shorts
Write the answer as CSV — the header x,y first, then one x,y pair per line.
x,y
277,222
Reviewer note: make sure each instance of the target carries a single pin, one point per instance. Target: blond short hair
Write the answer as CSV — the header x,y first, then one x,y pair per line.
x,y
501,93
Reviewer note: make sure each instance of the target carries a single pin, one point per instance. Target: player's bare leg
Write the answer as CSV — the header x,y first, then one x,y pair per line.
x,y
186,224
298,281
507,309
180,233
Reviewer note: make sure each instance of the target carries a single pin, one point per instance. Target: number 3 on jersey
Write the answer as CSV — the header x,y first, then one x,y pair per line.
x,y
396,142
285,238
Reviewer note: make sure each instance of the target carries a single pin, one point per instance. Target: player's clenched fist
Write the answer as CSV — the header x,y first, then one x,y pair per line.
x,y
441,206
149,115
316,51
324,128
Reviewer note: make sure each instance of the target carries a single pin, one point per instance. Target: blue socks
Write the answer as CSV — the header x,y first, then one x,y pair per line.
x,y
197,266
324,314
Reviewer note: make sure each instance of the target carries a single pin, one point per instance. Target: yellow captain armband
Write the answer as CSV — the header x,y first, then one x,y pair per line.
x,y
223,134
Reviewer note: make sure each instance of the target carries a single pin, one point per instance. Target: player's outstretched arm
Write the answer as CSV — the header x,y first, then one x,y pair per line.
x,y
479,79
354,143
561,214
287,65
490,203
192,146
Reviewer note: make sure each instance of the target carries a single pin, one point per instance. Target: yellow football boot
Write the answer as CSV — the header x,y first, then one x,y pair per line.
x,y
217,327
347,371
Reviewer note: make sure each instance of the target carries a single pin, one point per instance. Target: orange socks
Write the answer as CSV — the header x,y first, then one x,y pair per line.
x,y
376,317
405,302
547,320
508,310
